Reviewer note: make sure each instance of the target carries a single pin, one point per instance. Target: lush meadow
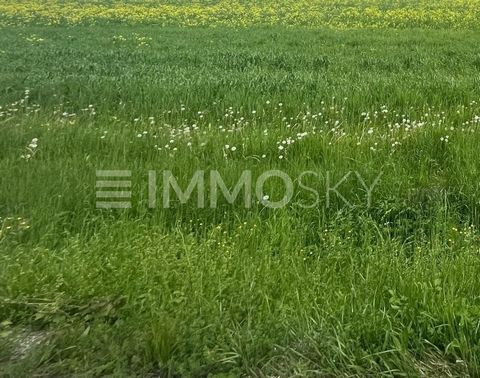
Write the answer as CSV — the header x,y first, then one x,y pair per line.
x,y
328,285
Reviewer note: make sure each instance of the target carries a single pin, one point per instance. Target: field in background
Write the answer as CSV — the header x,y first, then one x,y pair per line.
x,y
437,14
389,287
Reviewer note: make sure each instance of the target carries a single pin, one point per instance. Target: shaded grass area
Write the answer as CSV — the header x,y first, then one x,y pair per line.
x,y
388,288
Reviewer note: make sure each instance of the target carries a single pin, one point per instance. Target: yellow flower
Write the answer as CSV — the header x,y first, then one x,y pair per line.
x,y
312,13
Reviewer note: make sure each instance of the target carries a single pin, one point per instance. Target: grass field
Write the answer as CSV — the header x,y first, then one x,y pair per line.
x,y
377,275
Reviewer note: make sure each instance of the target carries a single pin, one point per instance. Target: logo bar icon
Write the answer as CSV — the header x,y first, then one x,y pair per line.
x,y
113,189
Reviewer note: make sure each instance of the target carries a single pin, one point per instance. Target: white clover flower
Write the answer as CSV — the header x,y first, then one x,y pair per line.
x,y
233,148
33,144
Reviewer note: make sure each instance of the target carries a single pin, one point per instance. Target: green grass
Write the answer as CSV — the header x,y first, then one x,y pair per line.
x,y
387,289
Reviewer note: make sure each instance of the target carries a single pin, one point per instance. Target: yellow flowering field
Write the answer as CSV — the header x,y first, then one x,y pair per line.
x,y
437,14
